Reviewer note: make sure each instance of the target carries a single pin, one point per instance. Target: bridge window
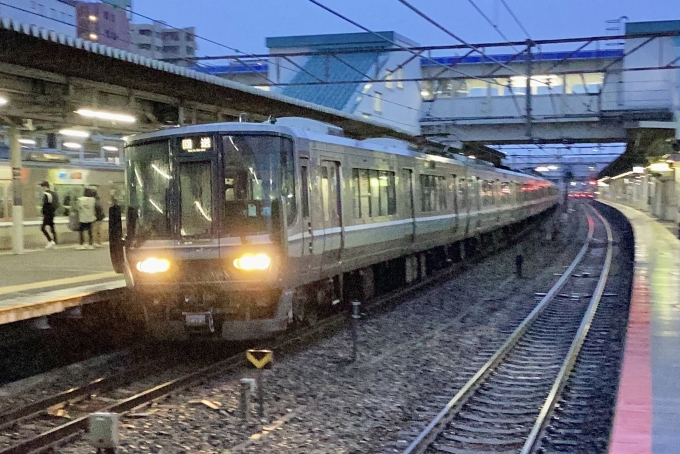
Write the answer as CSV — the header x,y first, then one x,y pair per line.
x,y
584,83
145,32
388,80
378,102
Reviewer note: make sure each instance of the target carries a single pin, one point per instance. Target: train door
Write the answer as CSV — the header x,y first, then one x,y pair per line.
x,y
197,209
453,189
332,213
407,189
477,202
310,264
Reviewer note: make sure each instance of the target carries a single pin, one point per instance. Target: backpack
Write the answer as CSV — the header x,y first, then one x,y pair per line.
x,y
55,201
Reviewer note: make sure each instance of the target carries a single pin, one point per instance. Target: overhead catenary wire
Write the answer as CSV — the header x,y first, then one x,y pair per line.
x,y
272,83
516,19
498,30
454,36
404,48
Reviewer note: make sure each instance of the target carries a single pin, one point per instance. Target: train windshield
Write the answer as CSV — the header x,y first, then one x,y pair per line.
x,y
258,175
149,178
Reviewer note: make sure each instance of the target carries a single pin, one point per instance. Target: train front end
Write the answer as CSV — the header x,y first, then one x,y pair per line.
x,y
207,224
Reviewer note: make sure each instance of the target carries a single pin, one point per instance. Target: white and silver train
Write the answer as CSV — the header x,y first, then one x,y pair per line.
x,y
237,230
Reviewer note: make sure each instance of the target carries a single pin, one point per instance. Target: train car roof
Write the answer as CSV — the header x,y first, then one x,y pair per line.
x,y
378,144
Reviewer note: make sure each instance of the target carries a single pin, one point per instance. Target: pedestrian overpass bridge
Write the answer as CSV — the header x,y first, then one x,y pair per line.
x,y
582,96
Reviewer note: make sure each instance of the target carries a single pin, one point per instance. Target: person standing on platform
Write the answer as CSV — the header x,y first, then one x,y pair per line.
x,y
86,216
49,207
99,217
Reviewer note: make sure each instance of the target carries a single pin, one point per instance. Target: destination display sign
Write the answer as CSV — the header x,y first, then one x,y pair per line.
x,y
197,144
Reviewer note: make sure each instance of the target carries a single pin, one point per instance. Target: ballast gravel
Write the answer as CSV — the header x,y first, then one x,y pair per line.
x,y
319,401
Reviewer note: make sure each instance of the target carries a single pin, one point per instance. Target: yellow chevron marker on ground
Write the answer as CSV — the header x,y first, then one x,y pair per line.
x,y
259,358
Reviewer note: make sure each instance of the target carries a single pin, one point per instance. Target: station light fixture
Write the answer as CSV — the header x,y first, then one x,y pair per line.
x,y
542,169
103,115
638,169
72,145
75,133
109,148
92,18
659,167
553,167
27,141
93,36
3,100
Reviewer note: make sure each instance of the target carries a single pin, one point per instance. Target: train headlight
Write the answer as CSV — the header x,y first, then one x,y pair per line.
x,y
249,262
153,265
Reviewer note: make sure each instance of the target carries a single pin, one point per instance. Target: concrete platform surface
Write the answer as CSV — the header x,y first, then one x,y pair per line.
x,y
647,415
42,270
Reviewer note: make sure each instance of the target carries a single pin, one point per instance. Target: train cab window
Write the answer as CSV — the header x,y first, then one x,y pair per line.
x,y
149,178
259,174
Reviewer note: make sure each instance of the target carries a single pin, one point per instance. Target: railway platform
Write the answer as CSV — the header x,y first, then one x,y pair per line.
x,y
647,412
47,281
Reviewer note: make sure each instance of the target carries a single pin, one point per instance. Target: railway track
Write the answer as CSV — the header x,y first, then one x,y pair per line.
x,y
504,407
295,340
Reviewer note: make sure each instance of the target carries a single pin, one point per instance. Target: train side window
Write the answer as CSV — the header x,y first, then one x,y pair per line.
x,y
324,193
391,192
2,202
462,194
425,193
407,188
304,176
364,193
441,192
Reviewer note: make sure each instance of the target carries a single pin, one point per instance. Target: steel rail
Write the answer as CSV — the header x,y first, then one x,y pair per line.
x,y
433,429
560,382
65,432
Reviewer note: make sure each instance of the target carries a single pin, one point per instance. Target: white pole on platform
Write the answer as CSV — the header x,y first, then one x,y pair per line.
x,y
17,204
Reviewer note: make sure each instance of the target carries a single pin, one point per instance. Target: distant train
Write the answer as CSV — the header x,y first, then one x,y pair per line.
x,y
67,179
240,229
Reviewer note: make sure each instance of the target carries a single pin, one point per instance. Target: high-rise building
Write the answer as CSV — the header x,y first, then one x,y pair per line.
x,y
104,23
159,41
56,15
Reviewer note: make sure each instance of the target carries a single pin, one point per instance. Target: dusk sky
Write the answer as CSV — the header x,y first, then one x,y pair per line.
x,y
244,24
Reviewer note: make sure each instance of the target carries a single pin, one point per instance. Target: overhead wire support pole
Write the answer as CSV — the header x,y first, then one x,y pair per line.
x,y
529,132
17,191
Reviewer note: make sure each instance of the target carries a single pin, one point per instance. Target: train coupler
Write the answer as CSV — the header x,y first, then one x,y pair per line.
x,y
199,321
